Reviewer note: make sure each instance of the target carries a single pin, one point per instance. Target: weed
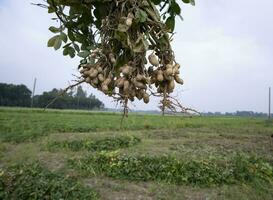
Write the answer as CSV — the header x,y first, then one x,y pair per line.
x,y
33,182
108,143
241,168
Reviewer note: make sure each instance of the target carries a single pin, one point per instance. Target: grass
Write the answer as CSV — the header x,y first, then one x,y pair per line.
x,y
19,125
176,158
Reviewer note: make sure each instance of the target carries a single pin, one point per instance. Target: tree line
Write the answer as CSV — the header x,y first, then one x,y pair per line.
x,y
20,96
237,113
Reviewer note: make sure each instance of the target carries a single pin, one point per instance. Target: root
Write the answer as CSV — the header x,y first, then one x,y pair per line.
x,y
164,101
177,107
173,105
125,111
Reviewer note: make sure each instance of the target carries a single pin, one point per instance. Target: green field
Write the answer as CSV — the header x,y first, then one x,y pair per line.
x,y
91,156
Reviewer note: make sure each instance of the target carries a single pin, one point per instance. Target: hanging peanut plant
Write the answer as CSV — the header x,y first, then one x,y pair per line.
x,y
124,45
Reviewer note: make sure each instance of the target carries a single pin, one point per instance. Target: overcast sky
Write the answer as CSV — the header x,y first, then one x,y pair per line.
x,y
225,49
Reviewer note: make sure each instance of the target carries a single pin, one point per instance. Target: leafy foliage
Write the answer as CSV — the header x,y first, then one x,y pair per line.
x,y
108,143
168,169
76,31
34,182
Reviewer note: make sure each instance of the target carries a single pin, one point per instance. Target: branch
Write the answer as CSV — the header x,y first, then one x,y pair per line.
x,y
71,2
75,2
40,5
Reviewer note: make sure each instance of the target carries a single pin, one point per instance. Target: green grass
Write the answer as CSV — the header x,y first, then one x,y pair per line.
x,y
18,125
177,157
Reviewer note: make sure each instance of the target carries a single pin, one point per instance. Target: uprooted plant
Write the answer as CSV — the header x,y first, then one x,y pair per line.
x,y
124,45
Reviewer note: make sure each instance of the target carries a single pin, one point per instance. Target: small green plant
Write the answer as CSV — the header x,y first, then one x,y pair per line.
x,y
108,143
168,169
33,182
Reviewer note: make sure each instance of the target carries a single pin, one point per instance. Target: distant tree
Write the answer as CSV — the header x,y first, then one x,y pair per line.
x,y
14,95
245,113
237,113
69,100
80,92
20,95
94,102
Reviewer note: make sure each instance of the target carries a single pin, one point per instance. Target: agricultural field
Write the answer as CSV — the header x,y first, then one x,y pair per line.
x,y
67,154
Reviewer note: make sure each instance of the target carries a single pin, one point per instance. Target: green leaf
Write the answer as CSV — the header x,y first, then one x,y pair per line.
x,y
141,15
76,47
52,40
122,37
75,10
98,23
71,52
170,23
156,2
71,35
97,13
141,45
83,54
90,48
92,61
79,38
83,61
101,10
83,46
67,45
123,28
58,43
63,36
65,51
55,29
192,2
51,9
175,8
